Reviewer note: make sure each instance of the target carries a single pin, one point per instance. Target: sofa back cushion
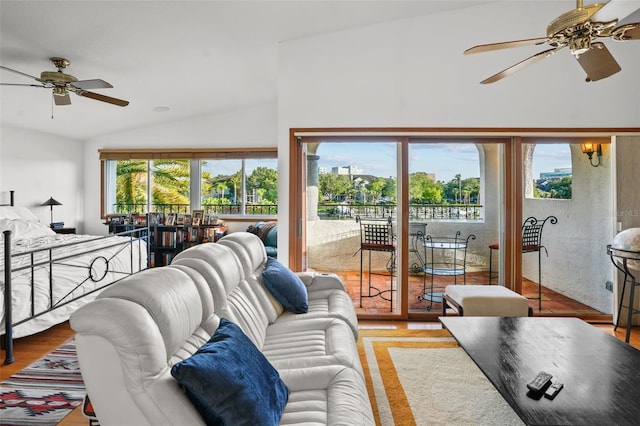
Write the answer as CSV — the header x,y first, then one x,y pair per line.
x,y
233,297
170,298
203,289
253,258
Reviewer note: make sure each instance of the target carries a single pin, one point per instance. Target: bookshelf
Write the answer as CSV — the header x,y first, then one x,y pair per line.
x,y
167,240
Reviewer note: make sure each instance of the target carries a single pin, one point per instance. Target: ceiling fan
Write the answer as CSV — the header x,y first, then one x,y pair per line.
x,y
577,29
62,84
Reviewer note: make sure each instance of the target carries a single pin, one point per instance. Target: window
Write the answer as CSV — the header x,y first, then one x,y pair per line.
x,y
228,182
444,181
169,189
246,186
548,171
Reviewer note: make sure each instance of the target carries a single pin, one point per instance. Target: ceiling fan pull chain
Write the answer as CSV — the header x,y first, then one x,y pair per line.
x,y
52,95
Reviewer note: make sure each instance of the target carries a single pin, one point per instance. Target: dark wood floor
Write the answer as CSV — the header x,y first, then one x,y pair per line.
x,y
29,349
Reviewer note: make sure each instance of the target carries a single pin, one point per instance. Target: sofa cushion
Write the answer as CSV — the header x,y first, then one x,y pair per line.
x,y
326,395
310,343
230,382
285,286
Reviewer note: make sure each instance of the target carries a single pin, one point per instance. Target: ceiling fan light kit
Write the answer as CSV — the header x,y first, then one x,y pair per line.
x,y
577,29
62,83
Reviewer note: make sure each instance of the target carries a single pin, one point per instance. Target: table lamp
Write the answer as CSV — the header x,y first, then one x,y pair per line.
x,y
51,202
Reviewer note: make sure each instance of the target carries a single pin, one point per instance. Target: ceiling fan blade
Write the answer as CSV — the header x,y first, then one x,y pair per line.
x,y
505,45
598,62
21,84
615,10
520,65
62,99
91,84
19,72
103,98
627,32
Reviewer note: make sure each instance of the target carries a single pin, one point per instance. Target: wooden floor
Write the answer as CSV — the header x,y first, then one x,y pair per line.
x,y
29,349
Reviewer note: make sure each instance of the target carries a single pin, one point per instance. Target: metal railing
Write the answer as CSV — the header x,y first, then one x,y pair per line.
x,y
331,211
214,210
416,211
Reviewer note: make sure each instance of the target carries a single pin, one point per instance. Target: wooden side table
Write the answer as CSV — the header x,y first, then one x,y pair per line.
x,y
64,230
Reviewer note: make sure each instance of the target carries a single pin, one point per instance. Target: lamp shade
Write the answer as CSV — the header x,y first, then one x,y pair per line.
x,y
51,202
588,148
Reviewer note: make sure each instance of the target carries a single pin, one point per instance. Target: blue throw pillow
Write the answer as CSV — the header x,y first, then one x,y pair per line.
x,y
285,286
230,382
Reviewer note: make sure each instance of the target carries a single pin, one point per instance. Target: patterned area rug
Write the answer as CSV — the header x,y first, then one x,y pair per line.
x,y
422,377
44,392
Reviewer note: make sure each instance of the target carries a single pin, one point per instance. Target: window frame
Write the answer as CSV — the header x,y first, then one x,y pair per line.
x,y
194,155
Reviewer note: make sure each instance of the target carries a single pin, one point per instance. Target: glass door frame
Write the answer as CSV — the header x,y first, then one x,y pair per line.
x,y
512,139
297,208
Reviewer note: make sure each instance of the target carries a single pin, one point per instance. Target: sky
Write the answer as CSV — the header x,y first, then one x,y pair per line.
x,y
445,160
378,159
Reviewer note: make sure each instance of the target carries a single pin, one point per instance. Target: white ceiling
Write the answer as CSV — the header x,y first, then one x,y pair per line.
x,y
195,57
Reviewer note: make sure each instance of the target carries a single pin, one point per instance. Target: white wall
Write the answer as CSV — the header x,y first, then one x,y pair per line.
x,y
251,127
38,166
580,237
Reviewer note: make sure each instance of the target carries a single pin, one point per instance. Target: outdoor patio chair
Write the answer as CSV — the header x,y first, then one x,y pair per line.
x,y
531,243
377,235
417,232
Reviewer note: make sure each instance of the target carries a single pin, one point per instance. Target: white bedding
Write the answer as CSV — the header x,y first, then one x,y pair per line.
x,y
39,242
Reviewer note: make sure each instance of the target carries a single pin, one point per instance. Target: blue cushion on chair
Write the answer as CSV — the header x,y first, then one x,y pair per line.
x,y
230,382
285,286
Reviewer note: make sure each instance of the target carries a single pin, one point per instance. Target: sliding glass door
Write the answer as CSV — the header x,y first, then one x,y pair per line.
x,y
419,193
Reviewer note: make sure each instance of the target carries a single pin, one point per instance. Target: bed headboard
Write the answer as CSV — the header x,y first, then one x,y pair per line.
x,y
11,201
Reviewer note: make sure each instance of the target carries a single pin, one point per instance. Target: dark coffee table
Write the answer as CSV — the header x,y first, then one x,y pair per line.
x,y
601,374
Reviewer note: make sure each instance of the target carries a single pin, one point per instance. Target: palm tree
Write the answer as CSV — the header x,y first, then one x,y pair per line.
x,y
235,180
170,182
131,179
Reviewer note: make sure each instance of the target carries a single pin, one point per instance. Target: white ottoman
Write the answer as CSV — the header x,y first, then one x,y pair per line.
x,y
485,301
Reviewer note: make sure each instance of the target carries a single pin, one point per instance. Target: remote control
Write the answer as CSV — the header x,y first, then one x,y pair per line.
x,y
539,382
553,390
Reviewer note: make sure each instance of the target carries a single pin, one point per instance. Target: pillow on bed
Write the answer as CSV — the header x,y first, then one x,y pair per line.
x,y
22,213
21,229
230,382
285,286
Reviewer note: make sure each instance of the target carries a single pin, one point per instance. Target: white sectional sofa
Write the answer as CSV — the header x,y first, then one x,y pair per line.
x,y
131,337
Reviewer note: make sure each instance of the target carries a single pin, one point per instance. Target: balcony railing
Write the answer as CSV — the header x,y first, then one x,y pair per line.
x,y
212,210
331,211
416,211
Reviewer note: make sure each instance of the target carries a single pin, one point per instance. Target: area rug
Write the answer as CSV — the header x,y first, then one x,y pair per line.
x,y
422,377
44,392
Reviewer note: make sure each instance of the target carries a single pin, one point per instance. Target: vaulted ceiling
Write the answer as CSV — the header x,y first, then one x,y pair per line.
x,y
192,57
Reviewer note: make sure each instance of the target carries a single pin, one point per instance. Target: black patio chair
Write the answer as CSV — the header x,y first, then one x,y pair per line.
x,y
377,235
531,243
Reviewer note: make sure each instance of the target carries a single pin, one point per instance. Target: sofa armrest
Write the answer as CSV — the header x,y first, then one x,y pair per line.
x,y
315,281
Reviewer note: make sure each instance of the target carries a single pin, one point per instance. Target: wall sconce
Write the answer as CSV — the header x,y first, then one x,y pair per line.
x,y
590,149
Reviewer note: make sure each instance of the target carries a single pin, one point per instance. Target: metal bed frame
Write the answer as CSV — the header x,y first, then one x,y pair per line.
x,y
97,270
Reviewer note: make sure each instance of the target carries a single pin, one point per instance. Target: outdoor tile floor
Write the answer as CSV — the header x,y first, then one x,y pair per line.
x,y
553,303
